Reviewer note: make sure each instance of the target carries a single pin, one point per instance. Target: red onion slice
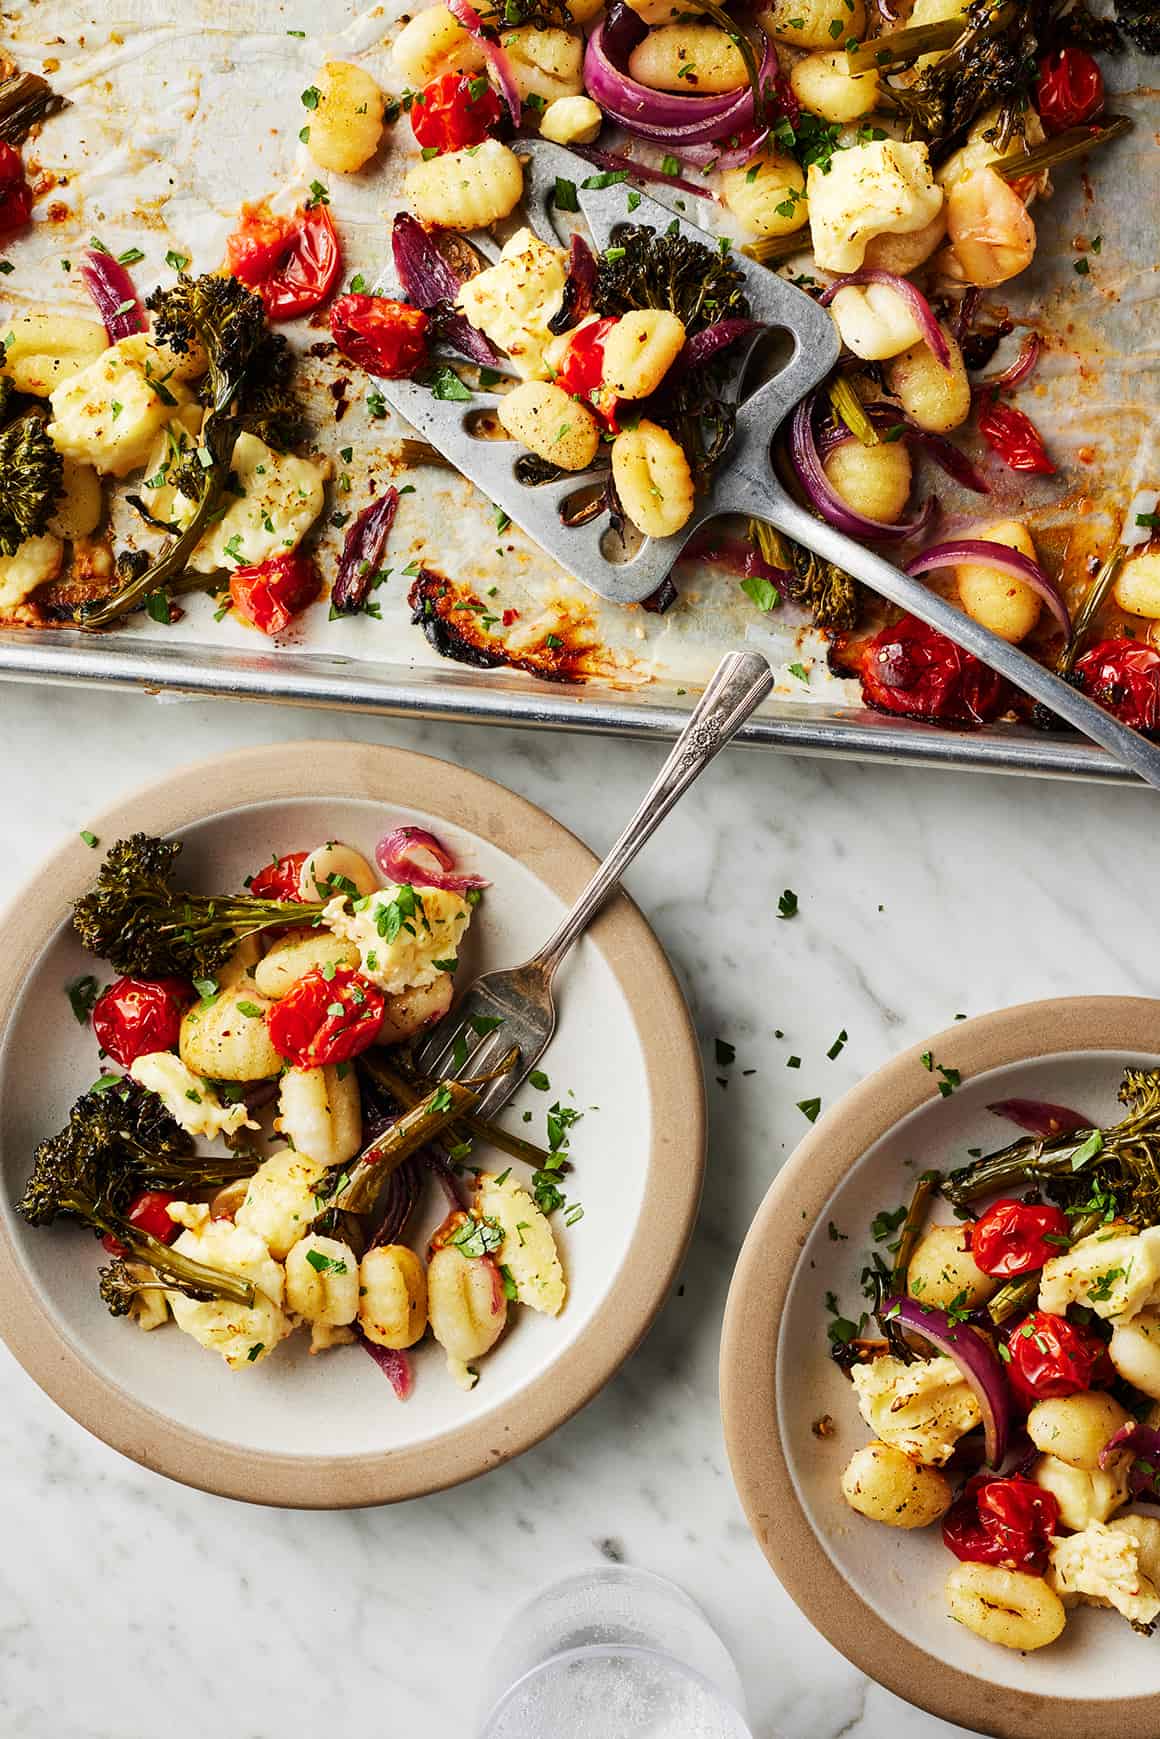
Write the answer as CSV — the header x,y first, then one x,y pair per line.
x,y
494,53
401,856
1040,1116
1029,353
822,495
1144,1443
429,281
362,553
977,1360
712,340
659,115
640,171
710,156
111,288
996,555
579,286
395,1366
915,301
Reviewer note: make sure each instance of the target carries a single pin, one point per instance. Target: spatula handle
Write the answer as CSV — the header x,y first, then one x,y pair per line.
x,y
739,684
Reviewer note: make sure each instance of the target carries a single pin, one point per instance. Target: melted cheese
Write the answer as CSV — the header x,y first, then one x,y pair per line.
x,y
922,1409
881,188
404,936
513,301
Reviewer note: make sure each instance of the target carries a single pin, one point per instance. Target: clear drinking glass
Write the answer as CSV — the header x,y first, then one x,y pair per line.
x,y
612,1653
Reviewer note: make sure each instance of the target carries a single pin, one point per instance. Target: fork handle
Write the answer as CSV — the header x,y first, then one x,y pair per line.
x,y
739,684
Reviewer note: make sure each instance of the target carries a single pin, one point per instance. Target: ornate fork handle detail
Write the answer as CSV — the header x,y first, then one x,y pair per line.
x,y
740,683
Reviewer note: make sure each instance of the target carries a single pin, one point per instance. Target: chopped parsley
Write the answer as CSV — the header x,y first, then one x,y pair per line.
x,y
82,994
787,904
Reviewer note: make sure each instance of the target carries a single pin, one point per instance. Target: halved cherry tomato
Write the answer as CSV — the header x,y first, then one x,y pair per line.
x,y
279,880
1050,1357
136,1016
454,112
1018,1237
583,369
917,672
326,1020
292,262
271,594
1070,89
15,193
1013,436
1002,1521
148,1213
385,337
1124,676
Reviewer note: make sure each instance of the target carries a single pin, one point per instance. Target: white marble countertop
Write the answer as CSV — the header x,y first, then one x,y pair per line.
x,y
130,1606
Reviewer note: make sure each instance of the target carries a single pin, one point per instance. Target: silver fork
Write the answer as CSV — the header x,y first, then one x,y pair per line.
x,y
515,1008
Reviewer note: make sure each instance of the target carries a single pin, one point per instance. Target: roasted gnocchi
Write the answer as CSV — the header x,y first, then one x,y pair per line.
x,y
466,189
346,124
653,479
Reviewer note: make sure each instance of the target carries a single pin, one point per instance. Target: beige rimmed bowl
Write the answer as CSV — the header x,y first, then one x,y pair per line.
x,y
328,1432
876,1593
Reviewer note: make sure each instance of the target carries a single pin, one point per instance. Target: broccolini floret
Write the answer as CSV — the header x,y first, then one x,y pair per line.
x,y
30,481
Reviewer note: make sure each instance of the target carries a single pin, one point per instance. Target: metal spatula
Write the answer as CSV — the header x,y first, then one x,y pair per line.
x,y
744,483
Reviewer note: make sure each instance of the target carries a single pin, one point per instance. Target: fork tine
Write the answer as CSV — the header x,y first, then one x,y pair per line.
x,y
488,1051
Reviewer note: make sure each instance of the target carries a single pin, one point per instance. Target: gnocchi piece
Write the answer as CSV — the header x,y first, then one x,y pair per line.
x,y
904,253
190,1101
292,956
1102,1567
990,233
513,301
546,63
392,1304
243,1334
528,1252
347,123
872,480
319,1113
239,968
336,869
1005,1606
571,120
883,1484
653,479
824,84
38,559
1009,607
767,195
280,1203
922,1408
882,187
943,1271
227,1039
1083,1495
1137,585
584,10
1075,1428
434,42
79,505
688,57
322,1281
937,398
467,1307
109,413
639,351
813,23
277,499
466,189
544,419
42,350
874,321
409,1011
1135,1351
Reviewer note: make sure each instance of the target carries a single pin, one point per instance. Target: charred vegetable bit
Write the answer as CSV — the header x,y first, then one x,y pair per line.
x,y
409,1088
92,1170
148,929
831,595
357,1189
697,284
924,1190
25,100
30,481
1115,1171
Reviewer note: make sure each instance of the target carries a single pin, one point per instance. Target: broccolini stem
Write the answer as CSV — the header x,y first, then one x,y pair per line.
x,y
1085,615
773,248
182,1273
1027,1160
924,1188
1075,142
903,46
25,100
849,409
409,1091
358,1191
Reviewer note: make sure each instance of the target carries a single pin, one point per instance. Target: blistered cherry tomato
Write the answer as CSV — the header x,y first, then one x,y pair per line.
x,y
1051,1357
1124,676
1070,89
1013,436
271,594
149,1214
292,262
917,672
1018,1237
326,1020
279,880
583,369
454,112
15,193
136,1016
1002,1521
385,337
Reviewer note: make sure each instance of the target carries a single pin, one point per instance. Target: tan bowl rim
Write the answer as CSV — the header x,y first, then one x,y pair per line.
x,y
758,1294
673,1080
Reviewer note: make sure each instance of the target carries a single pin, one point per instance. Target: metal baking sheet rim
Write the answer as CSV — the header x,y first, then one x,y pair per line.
x,y
352,686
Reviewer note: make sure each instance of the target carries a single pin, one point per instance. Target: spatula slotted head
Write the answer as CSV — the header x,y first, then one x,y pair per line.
x,y
624,572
